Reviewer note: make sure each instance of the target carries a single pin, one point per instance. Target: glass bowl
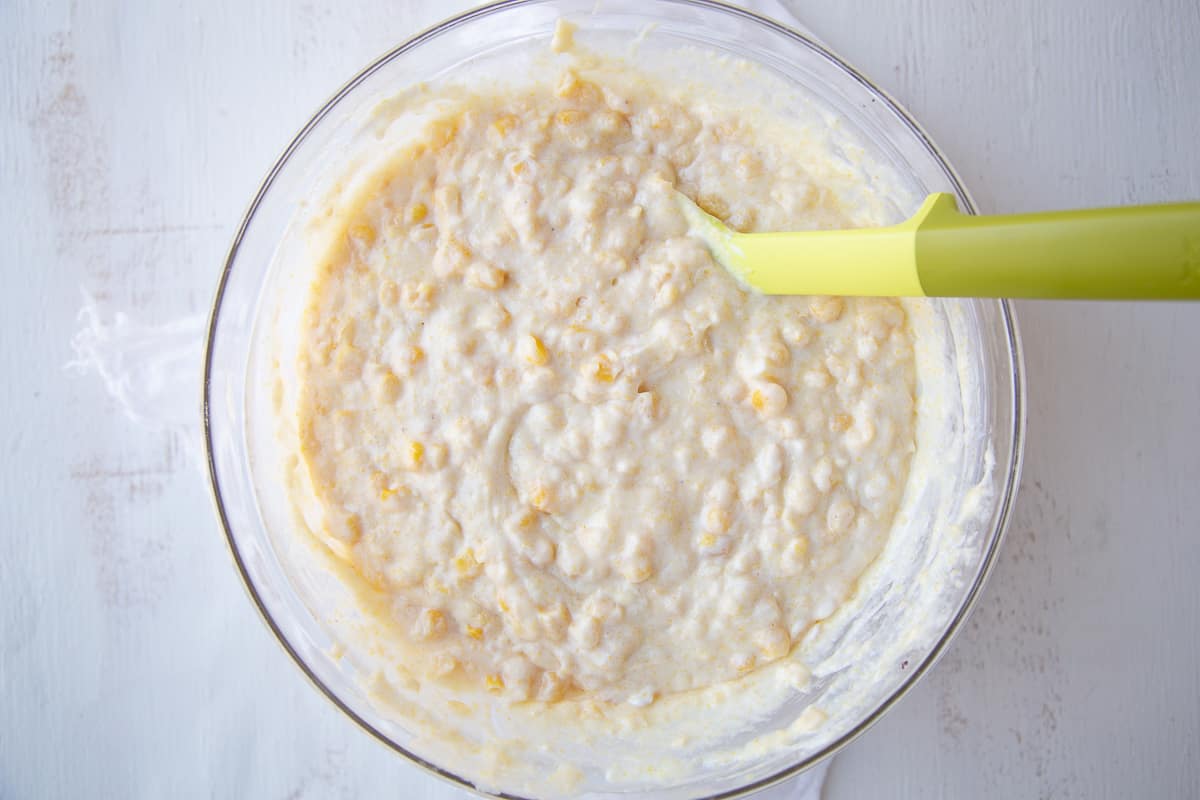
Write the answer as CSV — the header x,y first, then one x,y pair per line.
x,y
932,569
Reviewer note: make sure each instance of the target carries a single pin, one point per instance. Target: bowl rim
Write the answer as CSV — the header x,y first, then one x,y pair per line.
x,y
967,205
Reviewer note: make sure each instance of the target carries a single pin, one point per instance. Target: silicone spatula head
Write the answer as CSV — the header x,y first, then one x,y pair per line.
x,y
1139,252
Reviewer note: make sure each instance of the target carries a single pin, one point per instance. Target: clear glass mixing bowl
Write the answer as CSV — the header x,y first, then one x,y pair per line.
x,y
952,526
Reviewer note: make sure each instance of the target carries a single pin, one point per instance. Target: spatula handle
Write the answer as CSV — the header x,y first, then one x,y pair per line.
x,y
1139,252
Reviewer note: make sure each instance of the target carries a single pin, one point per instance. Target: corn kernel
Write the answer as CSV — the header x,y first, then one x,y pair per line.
x,y
388,388
353,527
817,378
348,361
447,201
475,633
569,117
519,167
796,552
647,405
579,91
423,233
496,317
416,453
494,683
389,293
587,632
717,519
827,309
486,276
551,688
602,370
768,398
466,564
418,295
564,36
533,351
555,620
399,490
418,212
414,354
540,498
637,569
442,133
451,257
666,296
430,624
569,85
444,664
503,124
777,353
363,232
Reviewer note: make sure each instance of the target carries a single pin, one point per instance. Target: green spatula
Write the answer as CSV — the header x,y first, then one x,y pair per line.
x,y
1139,252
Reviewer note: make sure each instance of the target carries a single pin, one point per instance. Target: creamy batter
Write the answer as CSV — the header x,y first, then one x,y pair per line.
x,y
568,454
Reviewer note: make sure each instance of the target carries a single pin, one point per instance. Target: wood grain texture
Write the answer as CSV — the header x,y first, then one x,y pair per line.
x,y
131,663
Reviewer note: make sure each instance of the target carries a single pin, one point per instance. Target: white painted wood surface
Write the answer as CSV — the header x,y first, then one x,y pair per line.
x,y
132,134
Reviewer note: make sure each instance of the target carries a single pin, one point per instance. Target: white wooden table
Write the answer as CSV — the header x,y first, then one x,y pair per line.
x,y
132,134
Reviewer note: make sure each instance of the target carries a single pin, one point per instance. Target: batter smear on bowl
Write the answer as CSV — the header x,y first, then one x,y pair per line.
x,y
563,449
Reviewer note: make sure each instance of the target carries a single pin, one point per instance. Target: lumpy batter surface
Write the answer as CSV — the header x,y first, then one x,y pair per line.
x,y
568,452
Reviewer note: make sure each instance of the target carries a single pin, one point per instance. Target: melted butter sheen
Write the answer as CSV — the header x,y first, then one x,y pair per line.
x,y
570,453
